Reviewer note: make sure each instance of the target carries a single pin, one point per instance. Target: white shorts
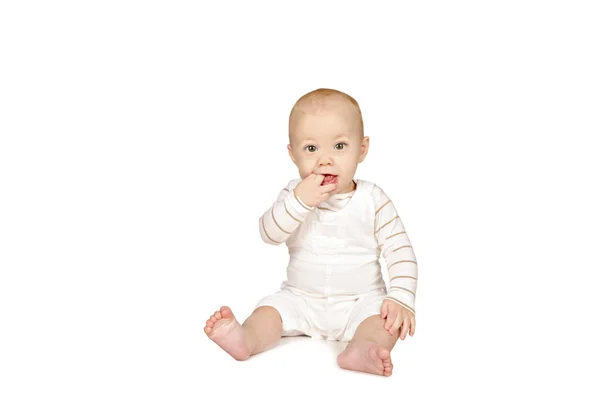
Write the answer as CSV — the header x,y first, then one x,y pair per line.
x,y
334,318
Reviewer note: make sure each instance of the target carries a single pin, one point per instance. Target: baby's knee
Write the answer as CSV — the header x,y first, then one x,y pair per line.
x,y
267,311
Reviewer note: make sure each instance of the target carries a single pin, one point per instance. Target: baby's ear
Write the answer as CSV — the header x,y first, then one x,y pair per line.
x,y
289,147
364,149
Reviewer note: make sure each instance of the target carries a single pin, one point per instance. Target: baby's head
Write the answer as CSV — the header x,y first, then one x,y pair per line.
x,y
327,137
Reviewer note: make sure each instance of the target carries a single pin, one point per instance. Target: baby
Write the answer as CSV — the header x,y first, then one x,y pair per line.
x,y
336,227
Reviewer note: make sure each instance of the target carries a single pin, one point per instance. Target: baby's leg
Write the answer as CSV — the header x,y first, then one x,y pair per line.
x,y
260,332
369,350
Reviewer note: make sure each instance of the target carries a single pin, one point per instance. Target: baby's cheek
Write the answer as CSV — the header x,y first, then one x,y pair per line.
x,y
306,168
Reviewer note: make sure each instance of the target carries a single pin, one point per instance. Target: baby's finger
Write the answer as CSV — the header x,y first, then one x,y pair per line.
x,y
318,178
384,310
397,324
405,327
413,325
328,187
389,321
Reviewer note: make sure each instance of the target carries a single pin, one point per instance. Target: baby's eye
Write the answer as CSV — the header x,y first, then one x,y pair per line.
x,y
337,146
309,148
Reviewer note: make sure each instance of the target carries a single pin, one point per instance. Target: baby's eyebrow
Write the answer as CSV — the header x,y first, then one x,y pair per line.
x,y
341,135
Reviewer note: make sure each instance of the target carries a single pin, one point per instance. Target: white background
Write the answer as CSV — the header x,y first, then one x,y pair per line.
x,y
141,141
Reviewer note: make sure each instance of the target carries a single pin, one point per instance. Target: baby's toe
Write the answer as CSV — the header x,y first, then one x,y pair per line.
x,y
217,315
226,312
375,360
383,354
387,369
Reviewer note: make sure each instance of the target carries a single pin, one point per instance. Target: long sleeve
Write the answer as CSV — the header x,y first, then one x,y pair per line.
x,y
397,250
283,217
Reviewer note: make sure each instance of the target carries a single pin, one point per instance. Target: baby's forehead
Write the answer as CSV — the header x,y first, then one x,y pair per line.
x,y
319,118
323,105
324,112
324,132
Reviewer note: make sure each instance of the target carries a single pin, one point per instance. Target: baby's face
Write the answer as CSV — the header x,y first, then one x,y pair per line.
x,y
328,143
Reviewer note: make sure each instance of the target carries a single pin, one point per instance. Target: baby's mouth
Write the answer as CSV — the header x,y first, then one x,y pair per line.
x,y
329,179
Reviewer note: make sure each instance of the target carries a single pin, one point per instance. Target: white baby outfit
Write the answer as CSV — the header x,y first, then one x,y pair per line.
x,y
334,278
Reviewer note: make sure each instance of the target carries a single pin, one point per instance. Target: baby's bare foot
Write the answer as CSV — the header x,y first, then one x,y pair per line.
x,y
225,331
367,357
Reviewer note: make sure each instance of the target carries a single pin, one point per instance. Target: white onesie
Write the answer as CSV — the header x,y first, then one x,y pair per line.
x,y
334,278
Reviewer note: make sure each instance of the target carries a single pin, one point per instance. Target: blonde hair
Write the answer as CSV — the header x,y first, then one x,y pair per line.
x,y
319,99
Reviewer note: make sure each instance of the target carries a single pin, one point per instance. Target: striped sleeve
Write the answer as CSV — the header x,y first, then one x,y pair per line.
x,y
397,251
283,217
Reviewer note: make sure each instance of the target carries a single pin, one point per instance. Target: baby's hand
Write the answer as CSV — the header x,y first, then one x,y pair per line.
x,y
397,315
311,192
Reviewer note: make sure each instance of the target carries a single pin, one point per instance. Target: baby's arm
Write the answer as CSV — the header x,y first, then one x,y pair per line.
x,y
283,217
397,251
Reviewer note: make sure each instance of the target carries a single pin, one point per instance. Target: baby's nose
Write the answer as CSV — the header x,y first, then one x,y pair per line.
x,y
326,160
